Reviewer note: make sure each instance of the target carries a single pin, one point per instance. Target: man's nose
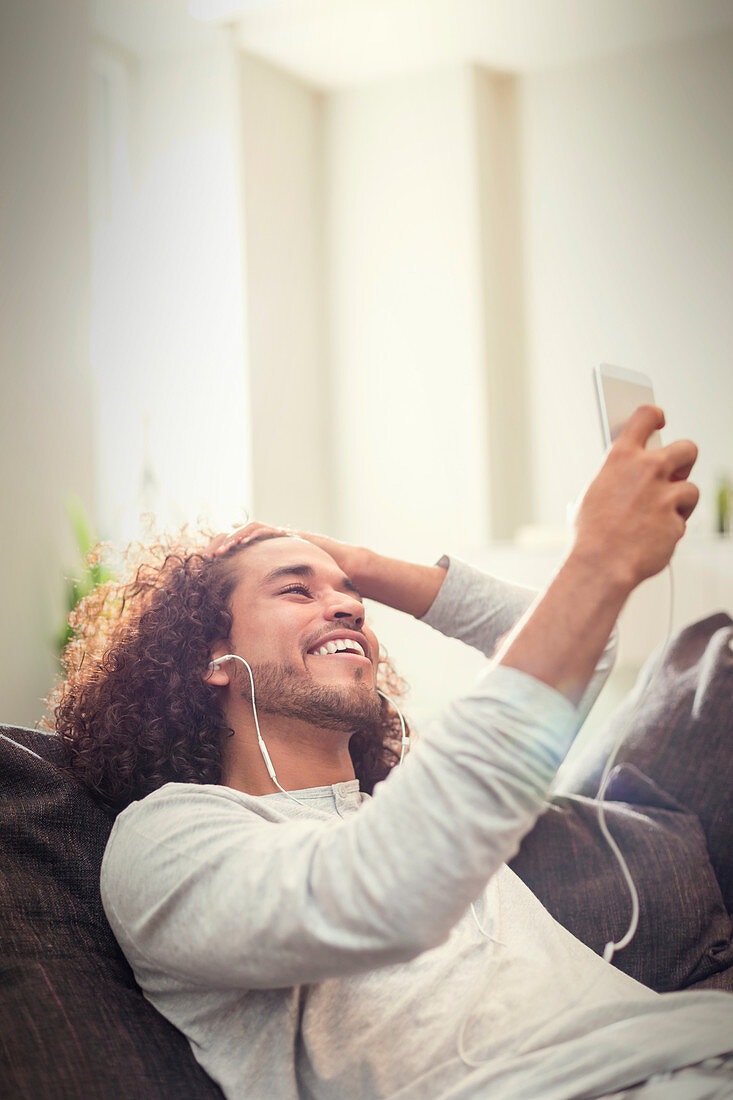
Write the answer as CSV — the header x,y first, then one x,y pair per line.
x,y
344,606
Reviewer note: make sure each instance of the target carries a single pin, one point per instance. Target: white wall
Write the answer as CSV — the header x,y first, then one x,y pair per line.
x,y
381,321
46,406
496,122
404,298
168,330
291,423
628,177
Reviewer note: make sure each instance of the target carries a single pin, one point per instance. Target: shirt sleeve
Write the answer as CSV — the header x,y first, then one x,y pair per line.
x,y
200,888
479,610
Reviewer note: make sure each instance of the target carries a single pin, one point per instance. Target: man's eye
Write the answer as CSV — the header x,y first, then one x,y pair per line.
x,y
301,589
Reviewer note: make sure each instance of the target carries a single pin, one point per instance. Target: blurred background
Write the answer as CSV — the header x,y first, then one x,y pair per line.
x,y
347,265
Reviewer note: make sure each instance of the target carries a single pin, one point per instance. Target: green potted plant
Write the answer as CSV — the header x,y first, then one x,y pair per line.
x,y
90,569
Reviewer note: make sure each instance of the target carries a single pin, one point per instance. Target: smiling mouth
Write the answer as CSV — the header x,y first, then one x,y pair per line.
x,y
339,647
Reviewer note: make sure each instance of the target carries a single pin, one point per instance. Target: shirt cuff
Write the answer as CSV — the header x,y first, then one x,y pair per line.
x,y
451,590
519,689
474,606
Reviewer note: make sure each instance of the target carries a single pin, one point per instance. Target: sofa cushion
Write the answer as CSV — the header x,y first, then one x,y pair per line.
x,y
679,734
722,981
684,934
73,1021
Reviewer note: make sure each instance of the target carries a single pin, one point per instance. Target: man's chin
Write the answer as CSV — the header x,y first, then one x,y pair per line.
x,y
339,667
351,706
350,703
343,679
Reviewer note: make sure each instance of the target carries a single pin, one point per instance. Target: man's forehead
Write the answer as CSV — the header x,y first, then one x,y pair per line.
x,y
267,561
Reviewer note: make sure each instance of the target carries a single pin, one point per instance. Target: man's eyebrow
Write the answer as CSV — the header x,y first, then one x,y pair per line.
x,y
308,572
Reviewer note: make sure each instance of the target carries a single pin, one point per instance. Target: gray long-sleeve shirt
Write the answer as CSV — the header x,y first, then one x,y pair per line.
x,y
327,948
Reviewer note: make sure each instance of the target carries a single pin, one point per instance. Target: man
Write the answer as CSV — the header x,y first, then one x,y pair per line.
x,y
311,940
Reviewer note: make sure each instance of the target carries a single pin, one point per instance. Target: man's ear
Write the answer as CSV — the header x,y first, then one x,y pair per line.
x,y
218,676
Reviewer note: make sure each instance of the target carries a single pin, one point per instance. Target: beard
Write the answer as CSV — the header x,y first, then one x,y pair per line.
x,y
284,690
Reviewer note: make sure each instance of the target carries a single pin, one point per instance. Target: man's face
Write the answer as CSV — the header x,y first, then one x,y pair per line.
x,y
299,622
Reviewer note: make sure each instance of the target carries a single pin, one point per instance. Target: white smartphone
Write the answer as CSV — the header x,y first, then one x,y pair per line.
x,y
619,393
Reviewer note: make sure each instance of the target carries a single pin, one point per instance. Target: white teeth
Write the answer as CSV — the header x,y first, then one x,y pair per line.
x,y
338,646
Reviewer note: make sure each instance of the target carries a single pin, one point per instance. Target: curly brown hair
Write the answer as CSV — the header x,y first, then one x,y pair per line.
x,y
133,710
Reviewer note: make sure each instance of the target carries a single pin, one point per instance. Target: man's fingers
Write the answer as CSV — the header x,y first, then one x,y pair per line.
x,y
642,423
679,458
216,544
223,543
687,495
